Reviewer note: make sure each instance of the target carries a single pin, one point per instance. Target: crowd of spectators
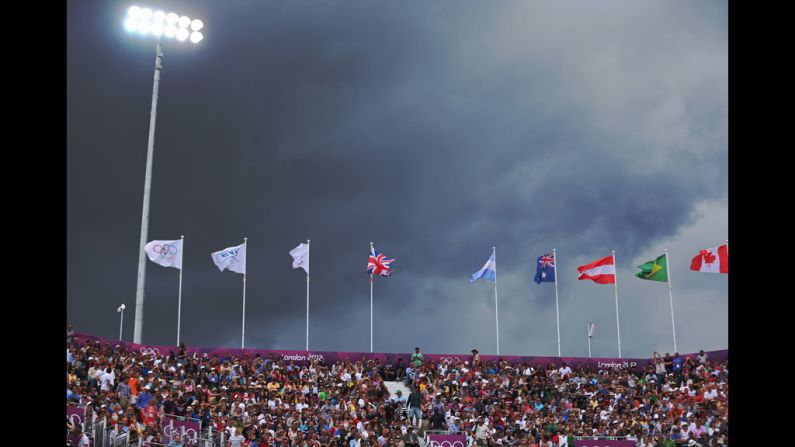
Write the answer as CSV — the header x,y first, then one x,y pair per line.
x,y
676,401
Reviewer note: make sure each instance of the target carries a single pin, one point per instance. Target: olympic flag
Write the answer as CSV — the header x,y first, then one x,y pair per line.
x,y
165,253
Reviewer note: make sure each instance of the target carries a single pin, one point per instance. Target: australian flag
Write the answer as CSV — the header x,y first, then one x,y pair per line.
x,y
545,268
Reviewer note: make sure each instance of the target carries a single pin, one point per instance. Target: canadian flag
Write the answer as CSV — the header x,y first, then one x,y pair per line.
x,y
712,260
602,271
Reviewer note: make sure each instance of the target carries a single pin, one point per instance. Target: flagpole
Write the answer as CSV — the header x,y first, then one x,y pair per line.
x,y
243,334
589,339
496,302
179,296
615,283
371,305
307,294
670,296
557,311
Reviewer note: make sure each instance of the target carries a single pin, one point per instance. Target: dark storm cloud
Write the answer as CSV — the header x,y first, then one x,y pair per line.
x,y
435,131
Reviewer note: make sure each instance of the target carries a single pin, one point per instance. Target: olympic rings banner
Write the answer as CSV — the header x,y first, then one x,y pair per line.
x,y
446,440
302,357
604,443
187,429
76,415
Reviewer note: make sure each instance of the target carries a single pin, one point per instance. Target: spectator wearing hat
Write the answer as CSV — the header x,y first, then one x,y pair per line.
x,y
475,358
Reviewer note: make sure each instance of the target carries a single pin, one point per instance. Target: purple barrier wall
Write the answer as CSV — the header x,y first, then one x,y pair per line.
x,y
300,357
446,440
188,430
591,443
76,415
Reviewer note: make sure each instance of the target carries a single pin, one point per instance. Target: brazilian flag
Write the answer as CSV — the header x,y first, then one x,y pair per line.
x,y
656,270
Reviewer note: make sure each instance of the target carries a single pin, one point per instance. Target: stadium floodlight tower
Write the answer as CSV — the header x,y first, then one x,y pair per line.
x,y
159,24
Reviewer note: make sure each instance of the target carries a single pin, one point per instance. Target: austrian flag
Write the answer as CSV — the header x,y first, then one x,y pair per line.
x,y
712,260
601,271
378,264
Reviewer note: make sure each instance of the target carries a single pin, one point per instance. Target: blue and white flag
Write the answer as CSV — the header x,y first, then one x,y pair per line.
x,y
489,271
232,258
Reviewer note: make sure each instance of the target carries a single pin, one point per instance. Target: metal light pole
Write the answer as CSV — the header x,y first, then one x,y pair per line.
x,y
157,24
121,318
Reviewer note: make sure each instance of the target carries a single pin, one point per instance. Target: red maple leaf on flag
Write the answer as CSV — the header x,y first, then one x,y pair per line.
x,y
709,258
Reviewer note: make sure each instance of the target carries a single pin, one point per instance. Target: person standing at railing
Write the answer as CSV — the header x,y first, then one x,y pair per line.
x,y
414,403
70,334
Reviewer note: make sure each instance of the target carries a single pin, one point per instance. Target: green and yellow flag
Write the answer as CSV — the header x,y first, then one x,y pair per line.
x,y
656,270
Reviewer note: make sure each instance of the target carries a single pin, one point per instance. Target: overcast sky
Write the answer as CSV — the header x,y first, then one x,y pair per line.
x,y
436,129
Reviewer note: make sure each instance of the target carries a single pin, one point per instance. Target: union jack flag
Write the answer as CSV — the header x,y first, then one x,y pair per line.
x,y
378,264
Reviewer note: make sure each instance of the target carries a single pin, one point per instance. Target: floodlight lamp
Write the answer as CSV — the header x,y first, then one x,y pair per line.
x,y
196,25
196,37
184,21
170,31
157,29
158,16
182,34
172,18
130,24
144,27
146,14
134,12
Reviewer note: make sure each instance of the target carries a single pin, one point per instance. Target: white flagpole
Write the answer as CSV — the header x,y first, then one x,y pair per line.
x,y
670,296
615,283
496,302
371,305
243,335
307,295
179,297
121,321
589,339
557,311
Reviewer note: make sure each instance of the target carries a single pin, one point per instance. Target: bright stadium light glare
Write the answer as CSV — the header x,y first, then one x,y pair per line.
x,y
130,24
144,27
160,24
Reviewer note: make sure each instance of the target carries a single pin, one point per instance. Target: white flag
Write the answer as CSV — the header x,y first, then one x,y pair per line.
x,y
232,258
591,329
300,256
165,253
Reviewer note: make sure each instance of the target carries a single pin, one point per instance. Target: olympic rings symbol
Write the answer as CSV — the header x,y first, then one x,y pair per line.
x,y
188,435
154,352
446,444
165,249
